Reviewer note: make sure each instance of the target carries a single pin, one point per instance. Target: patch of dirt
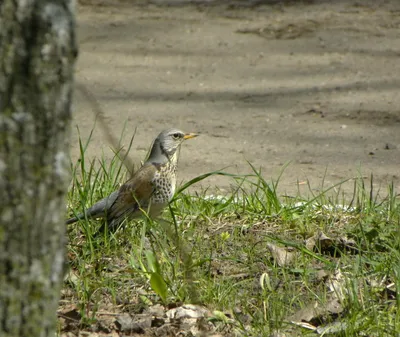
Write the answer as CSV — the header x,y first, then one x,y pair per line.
x,y
314,84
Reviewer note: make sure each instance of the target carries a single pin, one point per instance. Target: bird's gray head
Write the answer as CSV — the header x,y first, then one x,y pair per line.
x,y
167,144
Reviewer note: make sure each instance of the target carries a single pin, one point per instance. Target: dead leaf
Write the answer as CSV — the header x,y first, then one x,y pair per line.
x,y
167,330
187,311
334,307
316,313
69,312
310,243
67,334
136,323
336,328
306,314
305,325
88,334
337,284
348,244
105,323
322,275
281,255
321,242
156,310
324,242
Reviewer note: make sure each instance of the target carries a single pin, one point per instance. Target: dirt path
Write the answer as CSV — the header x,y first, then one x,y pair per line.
x,y
315,85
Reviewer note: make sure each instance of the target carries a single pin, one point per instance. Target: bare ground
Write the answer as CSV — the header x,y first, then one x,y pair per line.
x,y
315,85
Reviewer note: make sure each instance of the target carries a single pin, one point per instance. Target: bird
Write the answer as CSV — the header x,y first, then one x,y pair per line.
x,y
149,189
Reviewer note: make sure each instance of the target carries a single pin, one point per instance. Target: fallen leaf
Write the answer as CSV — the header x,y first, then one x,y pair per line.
x,y
136,323
337,284
156,310
281,256
337,328
67,334
187,311
322,275
316,313
69,312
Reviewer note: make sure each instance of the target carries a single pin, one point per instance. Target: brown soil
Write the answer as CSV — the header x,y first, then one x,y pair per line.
x,y
314,85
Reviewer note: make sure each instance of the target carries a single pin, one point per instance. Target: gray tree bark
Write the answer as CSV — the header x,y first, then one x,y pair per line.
x,y
37,55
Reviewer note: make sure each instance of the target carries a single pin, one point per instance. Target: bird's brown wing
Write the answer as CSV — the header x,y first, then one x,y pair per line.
x,y
132,195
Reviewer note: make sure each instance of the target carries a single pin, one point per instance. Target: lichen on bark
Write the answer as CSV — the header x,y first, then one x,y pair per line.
x,y
37,56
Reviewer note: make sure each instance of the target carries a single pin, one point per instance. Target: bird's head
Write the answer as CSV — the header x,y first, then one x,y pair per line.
x,y
167,144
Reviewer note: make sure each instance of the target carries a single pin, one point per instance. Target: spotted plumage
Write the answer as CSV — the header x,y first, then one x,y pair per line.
x,y
150,188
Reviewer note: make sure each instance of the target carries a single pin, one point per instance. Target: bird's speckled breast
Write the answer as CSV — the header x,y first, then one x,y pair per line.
x,y
164,185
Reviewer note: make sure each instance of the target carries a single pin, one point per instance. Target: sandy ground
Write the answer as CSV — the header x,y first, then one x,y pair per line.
x,y
314,85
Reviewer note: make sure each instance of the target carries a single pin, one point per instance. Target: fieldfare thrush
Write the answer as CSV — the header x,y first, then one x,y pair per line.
x,y
150,189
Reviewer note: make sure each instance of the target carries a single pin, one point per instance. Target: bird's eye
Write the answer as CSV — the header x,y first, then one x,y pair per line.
x,y
176,135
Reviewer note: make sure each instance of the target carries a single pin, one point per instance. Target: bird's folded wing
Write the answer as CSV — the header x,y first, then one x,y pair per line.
x,y
134,194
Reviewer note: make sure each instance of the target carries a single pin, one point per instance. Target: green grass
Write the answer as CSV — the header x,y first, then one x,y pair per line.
x,y
216,252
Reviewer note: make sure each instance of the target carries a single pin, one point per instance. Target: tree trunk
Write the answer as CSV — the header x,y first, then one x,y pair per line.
x,y
37,55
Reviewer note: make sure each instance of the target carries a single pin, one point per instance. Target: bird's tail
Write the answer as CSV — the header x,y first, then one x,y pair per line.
x,y
75,219
99,209
90,213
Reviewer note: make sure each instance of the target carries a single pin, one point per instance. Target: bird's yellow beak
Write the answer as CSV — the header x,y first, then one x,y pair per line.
x,y
190,135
